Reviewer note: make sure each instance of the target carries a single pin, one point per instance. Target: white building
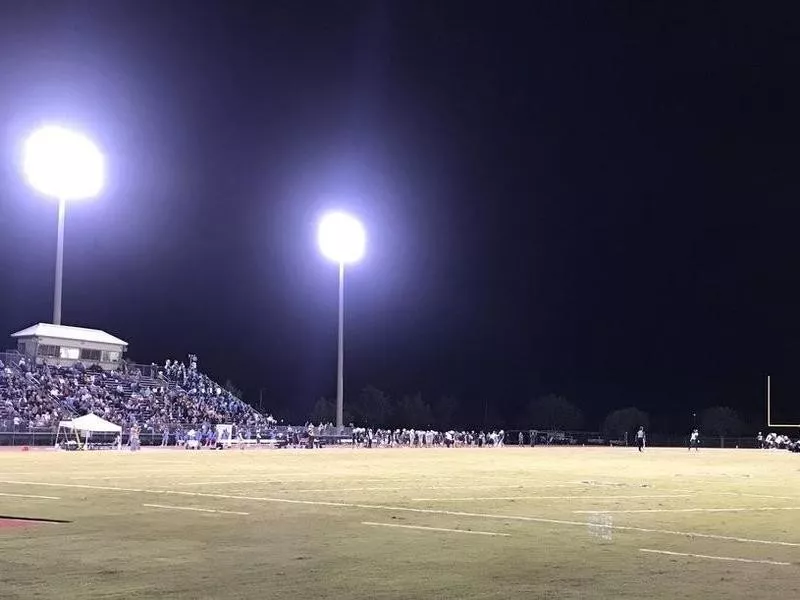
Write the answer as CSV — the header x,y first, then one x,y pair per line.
x,y
63,345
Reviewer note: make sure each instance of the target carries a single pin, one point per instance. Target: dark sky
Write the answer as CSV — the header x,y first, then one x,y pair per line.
x,y
595,199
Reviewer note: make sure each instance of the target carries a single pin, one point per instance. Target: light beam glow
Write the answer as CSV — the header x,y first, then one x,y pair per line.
x,y
63,164
341,238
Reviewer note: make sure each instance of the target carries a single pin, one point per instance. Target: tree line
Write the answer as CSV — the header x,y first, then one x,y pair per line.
x,y
373,407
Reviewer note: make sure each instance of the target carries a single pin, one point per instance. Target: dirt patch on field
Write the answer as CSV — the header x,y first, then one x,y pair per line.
x,y
16,524
7,523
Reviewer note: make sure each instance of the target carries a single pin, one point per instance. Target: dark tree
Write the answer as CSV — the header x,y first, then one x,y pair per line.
x,y
625,420
445,411
373,407
413,411
324,411
721,421
492,419
553,412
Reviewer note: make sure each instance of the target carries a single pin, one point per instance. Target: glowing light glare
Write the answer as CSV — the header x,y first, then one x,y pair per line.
x,y
341,238
63,164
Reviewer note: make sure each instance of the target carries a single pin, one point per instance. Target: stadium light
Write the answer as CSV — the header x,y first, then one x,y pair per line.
x,y
65,165
342,239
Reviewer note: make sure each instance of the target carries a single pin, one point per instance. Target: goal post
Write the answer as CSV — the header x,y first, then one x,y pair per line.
x,y
770,423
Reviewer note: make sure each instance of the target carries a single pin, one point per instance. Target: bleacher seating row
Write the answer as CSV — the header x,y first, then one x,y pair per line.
x,y
38,396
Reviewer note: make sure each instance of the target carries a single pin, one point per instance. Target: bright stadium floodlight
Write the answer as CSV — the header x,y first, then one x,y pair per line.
x,y
342,240
64,165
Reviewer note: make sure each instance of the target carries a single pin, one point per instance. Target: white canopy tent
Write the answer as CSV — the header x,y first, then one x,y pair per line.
x,y
88,424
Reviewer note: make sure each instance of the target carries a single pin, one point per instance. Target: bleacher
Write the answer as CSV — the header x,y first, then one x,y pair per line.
x,y
25,398
135,394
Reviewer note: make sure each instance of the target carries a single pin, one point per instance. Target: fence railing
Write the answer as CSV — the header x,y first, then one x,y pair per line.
x,y
28,438
10,357
40,436
47,437
582,438
146,370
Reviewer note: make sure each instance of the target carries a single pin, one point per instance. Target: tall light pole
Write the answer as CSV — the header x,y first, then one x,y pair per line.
x,y
341,239
64,165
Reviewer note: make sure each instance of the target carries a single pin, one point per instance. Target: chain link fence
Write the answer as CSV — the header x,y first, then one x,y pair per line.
x,y
11,436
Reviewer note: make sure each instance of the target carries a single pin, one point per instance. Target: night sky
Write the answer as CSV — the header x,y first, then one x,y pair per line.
x,y
592,199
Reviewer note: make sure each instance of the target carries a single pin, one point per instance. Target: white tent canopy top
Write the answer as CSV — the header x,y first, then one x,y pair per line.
x,y
91,422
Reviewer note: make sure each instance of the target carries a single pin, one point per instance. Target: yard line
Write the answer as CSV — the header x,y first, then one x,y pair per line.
x,y
356,489
493,486
28,496
81,486
330,489
429,511
234,481
93,477
553,498
376,488
265,481
684,510
727,558
760,496
205,510
434,529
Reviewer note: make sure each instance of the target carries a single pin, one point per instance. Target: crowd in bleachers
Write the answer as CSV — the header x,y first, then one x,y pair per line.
x,y
26,400
165,400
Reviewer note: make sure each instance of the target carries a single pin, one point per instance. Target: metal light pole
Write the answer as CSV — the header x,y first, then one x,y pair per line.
x,y
341,239
62,210
340,369
64,165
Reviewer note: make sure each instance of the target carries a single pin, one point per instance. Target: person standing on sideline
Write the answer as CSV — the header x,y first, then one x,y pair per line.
x,y
640,438
694,441
165,437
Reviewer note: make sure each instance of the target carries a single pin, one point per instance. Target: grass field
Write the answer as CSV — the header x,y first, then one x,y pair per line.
x,y
402,523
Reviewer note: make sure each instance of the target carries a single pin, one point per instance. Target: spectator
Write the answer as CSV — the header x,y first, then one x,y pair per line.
x,y
41,395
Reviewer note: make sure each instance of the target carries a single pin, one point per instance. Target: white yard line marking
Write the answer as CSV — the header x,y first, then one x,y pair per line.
x,y
428,511
420,527
761,496
261,481
81,486
205,510
727,558
684,510
552,497
375,488
229,482
28,496
493,486
101,477
356,489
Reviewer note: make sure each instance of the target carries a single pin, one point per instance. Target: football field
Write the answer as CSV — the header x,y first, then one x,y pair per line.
x,y
401,523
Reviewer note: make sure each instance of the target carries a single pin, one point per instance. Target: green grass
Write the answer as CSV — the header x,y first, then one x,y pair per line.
x,y
318,547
